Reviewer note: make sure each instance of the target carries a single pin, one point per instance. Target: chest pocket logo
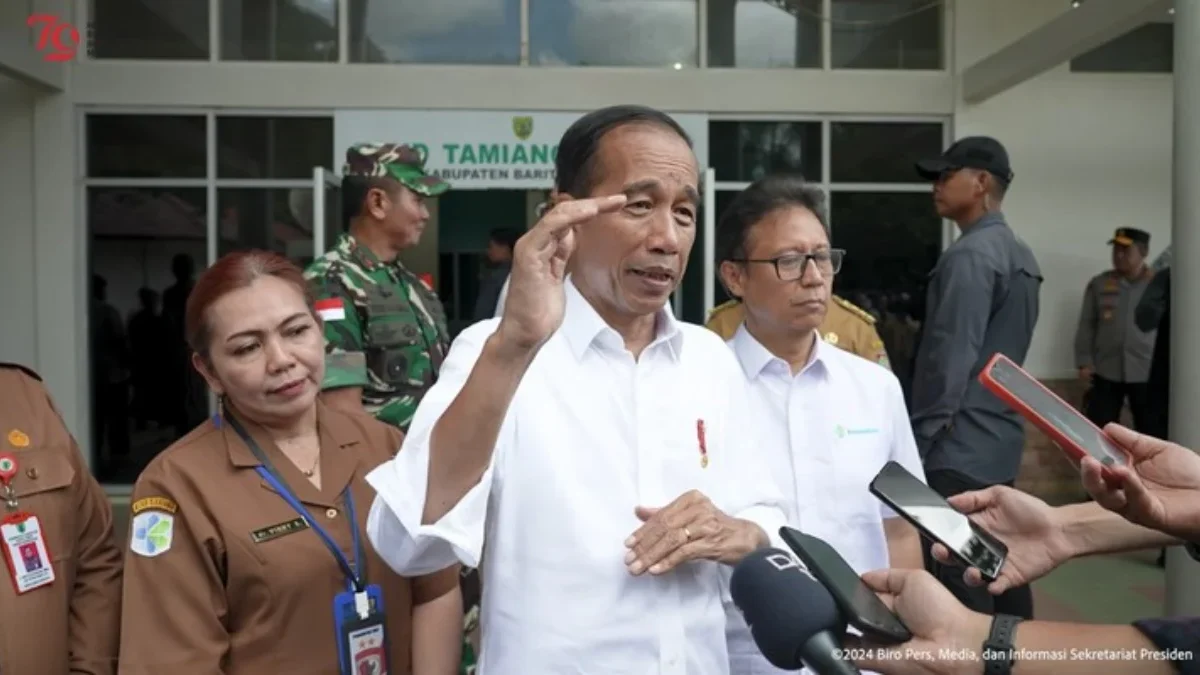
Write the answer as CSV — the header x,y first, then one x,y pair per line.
x,y
843,432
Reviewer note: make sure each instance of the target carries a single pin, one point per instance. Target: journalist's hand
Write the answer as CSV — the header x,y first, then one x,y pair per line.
x,y
1029,526
535,304
1160,489
689,528
946,635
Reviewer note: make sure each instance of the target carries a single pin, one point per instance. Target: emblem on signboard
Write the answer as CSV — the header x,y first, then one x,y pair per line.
x,y
523,127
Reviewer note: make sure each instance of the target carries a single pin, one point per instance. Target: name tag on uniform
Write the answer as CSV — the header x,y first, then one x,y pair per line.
x,y
25,552
276,531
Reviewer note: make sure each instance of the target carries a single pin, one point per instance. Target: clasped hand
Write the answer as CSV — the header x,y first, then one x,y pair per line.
x,y
689,528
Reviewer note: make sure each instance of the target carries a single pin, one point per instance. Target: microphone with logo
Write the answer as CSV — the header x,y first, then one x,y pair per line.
x,y
794,620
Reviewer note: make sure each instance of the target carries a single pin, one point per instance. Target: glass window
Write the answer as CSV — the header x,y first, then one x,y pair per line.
x,y
892,240
275,219
146,246
887,34
442,31
149,29
757,34
881,152
273,147
279,30
1149,48
747,151
146,146
613,33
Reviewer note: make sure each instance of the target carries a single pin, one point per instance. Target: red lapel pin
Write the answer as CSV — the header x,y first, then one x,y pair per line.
x,y
703,444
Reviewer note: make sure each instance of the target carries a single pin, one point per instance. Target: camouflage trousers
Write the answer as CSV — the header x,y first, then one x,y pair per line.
x,y
471,594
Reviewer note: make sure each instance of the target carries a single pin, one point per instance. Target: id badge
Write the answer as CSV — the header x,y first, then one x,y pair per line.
x,y
363,647
25,552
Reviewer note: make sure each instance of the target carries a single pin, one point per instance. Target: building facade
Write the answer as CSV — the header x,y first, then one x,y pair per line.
x,y
183,129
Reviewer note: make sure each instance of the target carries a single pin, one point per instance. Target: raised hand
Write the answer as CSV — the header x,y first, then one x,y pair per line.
x,y
535,304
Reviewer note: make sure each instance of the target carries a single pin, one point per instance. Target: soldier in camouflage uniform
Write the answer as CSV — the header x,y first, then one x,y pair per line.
x,y
385,330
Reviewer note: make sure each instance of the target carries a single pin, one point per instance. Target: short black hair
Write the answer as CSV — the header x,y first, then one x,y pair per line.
x,y
764,197
354,194
505,236
574,166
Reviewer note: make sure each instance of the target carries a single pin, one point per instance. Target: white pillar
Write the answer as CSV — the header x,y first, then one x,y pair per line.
x,y
1183,574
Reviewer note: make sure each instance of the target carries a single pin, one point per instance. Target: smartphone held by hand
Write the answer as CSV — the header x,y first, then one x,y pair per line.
x,y
1070,430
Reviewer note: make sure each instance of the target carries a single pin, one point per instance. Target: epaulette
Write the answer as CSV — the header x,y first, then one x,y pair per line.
x,y
26,369
721,307
855,310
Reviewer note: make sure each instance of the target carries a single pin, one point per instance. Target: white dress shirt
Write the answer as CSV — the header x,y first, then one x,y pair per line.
x,y
828,430
591,433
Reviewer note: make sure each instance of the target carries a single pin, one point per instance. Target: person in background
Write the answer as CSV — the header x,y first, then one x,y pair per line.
x,y
592,443
845,326
499,262
62,601
1113,355
247,530
1153,313
982,299
827,420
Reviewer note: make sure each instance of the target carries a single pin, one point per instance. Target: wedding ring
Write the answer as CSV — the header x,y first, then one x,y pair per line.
x,y
687,535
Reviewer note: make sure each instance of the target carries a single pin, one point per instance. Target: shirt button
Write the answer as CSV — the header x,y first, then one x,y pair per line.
x,y
331,513
32,472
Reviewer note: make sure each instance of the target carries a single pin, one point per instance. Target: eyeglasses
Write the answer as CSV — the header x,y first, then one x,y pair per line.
x,y
791,267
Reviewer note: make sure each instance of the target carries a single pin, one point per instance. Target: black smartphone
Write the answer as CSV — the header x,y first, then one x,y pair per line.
x,y
860,606
930,513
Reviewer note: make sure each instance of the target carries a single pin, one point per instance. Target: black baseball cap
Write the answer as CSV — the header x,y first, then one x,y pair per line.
x,y
1127,236
973,152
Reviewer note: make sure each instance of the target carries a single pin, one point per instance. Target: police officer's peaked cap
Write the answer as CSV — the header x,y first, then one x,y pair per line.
x,y
1127,236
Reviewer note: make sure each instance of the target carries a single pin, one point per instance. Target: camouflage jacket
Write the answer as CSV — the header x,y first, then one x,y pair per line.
x,y
385,330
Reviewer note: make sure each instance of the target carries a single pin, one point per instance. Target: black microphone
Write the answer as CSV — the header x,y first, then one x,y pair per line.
x,y
794,620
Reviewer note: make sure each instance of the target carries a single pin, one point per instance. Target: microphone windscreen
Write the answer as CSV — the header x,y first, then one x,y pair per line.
x,y
783,605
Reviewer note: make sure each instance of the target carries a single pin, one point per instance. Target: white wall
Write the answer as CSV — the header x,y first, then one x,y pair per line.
x,y
18,336
1091,153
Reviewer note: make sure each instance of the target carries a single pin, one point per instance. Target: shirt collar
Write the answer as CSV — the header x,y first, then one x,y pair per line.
x,y
582,325
987,220
756,358
349,247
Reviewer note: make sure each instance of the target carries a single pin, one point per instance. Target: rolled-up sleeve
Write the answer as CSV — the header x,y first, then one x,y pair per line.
x,y
394,525
903,445
953,336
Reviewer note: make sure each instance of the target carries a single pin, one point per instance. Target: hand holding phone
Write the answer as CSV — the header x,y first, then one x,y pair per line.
x,y
1073,433
930,513
859,605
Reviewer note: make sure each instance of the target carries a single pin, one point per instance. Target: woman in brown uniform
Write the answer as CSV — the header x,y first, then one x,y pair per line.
x,y
247,544
60,604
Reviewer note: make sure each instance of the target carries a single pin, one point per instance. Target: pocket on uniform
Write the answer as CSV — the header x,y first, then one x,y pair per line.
x,y
42,487
395,352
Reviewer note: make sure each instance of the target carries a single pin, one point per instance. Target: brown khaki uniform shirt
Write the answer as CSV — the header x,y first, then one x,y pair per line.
x,y
846,326
242,587
70,626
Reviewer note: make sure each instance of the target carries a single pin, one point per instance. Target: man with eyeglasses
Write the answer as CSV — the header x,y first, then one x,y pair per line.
x,y
982,299
825,420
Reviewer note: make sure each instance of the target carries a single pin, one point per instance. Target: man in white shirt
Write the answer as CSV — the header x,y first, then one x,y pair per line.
x,y
587,436
829,419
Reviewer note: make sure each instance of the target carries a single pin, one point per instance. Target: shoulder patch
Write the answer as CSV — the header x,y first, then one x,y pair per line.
x,y
151,533
330,309
25,369
855,309
157,503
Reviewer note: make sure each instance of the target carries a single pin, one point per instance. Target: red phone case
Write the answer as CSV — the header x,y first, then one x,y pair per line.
x,y
1064,442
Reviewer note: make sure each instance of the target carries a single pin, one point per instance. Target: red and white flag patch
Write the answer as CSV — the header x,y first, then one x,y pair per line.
x,y
331,309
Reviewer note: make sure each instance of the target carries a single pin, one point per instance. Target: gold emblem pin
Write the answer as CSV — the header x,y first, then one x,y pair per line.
x,y
18,438
831,338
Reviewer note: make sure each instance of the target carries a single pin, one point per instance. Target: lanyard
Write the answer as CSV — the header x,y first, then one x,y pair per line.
x,y
356,575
